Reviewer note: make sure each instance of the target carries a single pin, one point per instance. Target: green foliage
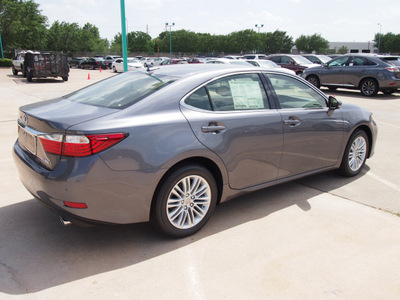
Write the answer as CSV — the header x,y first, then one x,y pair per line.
x,y
22,25
343,50
311,43
5,62
276,42
388,43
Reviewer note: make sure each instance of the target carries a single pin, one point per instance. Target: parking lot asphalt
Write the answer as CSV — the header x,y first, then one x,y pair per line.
x,y
321,237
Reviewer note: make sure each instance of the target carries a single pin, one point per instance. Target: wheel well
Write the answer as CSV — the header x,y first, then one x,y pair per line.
x,y
366,78
204,162
367,130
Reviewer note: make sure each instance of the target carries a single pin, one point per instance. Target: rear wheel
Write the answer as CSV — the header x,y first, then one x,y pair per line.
x,y
114,69
314,80
185,201
369,87
355,155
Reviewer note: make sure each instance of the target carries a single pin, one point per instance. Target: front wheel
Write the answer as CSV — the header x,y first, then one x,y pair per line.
x,y
185,201
314,80
369,87
355,155
14,71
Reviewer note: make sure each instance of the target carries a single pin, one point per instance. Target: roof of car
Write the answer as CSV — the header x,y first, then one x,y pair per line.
x,y
192,69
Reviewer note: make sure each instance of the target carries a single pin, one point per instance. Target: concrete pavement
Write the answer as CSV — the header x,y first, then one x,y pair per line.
x,y
322,237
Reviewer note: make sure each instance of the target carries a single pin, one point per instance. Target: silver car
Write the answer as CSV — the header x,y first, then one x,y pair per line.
x,y
168,144
368,73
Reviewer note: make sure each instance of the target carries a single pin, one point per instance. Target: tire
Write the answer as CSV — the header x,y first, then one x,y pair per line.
x,y
184,202
23,70
29,78
14,71
314,80
114,69
355,154
65,78
369,87
333,88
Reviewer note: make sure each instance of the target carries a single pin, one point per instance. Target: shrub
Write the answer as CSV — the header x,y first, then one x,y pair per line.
x,y
5,62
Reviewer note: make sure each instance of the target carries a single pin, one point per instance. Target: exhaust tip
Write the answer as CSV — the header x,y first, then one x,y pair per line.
x,y
65,222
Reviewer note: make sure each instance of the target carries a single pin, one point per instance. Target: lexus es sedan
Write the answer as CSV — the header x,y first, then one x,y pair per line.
x,y
168,144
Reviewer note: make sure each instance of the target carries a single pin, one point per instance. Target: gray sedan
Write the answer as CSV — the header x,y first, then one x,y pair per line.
x,y
168,144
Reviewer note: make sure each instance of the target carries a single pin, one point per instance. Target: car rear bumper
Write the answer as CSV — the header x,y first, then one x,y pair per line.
x,y
111,196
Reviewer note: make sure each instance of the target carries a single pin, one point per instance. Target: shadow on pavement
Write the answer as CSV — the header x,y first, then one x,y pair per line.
x,y
37,253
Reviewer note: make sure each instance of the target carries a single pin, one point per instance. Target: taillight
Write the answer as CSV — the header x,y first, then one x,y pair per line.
x,y
79,145
392,69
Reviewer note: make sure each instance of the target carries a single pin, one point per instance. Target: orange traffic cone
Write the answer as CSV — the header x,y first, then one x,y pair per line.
x,y
100,69
88,76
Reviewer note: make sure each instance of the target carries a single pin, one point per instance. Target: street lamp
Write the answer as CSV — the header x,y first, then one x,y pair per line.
x,y
258,42
379,39
170,38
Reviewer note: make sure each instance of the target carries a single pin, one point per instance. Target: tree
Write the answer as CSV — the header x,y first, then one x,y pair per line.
x,y
276,42
311,43
389,42
22,25
343,50
243,41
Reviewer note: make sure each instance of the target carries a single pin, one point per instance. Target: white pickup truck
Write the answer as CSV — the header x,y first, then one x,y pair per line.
x,y
18,62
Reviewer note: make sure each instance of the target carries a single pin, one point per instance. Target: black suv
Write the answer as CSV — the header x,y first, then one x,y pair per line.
x,y
369,73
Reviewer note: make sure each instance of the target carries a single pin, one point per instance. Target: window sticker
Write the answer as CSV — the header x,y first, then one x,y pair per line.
x,y
246,94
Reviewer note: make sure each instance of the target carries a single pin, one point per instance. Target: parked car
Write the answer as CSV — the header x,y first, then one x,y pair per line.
x,y
133,64
317,58
297,63
368,73
109,59
227,61
265,63
196,60
173,61
159,60
234,57
93,63
147,61
18,63
76,62
255,56
169,144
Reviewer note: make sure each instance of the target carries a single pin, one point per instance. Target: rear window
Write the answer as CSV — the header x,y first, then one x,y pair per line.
x,y
392,60
121,91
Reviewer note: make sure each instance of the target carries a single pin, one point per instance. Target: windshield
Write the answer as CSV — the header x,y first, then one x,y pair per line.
x,y
120,91
268,64
301,60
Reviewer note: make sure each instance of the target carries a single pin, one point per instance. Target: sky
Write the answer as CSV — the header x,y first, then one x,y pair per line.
x,y
334,20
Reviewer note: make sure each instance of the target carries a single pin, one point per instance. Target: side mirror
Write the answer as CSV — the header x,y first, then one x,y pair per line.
x,y
334,103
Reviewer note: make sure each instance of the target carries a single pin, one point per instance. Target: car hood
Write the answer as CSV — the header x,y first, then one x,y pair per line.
x,y
59,114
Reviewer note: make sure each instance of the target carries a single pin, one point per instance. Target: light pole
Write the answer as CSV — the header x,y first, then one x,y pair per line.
x,y
379,39
170,38
258,42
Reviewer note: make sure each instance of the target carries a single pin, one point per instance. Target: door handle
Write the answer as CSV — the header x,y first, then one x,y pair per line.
x,y
292,122
212,128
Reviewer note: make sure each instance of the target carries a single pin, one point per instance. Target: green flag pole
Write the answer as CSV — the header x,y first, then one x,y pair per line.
x,y
124,44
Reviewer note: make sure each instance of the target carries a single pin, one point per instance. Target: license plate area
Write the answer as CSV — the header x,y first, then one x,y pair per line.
x,y
27,140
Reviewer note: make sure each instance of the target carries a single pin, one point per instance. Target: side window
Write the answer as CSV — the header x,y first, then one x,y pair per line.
x,y
238,92
276,59
341,61
285,60
293,93
199,99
